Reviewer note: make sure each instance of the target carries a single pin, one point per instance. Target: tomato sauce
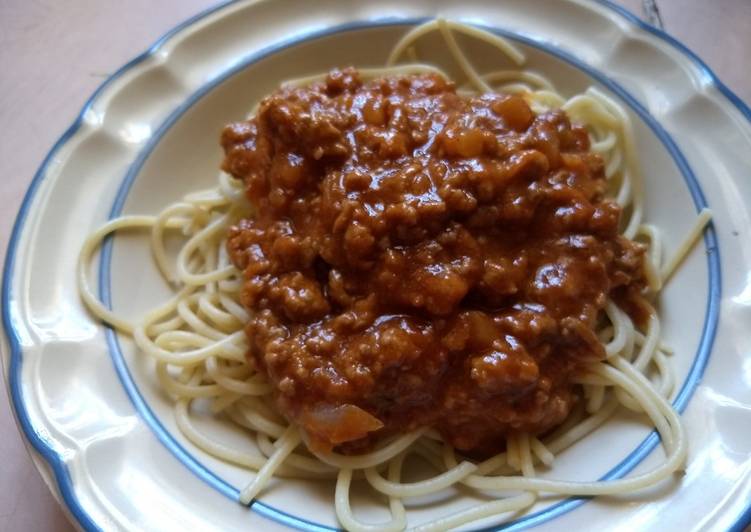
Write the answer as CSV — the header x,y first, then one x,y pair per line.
x,y
418,258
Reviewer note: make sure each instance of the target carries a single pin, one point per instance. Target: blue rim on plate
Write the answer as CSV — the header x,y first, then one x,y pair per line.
x,y
554,510
37,439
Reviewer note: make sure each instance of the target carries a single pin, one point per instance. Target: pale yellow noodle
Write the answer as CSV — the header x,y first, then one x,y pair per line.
x,y
198,342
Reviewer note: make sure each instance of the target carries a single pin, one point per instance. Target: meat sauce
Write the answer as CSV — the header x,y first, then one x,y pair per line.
x,y
418,258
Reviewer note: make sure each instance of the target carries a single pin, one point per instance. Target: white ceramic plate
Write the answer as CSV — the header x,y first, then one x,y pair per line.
x,y
104,434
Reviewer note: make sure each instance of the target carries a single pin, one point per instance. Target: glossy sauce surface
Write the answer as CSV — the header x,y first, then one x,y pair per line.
x,y
418,258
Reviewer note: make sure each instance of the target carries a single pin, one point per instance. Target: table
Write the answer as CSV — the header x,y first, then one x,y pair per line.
x,y
53,55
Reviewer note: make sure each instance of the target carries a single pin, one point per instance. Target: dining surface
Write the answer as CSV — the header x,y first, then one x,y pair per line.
x,y
55,54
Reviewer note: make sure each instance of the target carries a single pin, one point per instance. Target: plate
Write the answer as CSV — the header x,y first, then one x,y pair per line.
x,y
104,435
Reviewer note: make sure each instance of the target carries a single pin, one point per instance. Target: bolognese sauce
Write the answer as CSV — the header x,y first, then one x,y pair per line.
x,y
421,258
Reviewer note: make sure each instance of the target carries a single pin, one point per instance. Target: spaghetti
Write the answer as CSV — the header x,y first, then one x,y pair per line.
x,y
197,341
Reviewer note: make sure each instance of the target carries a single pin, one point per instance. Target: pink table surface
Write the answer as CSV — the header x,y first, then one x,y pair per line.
x,y
54,54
